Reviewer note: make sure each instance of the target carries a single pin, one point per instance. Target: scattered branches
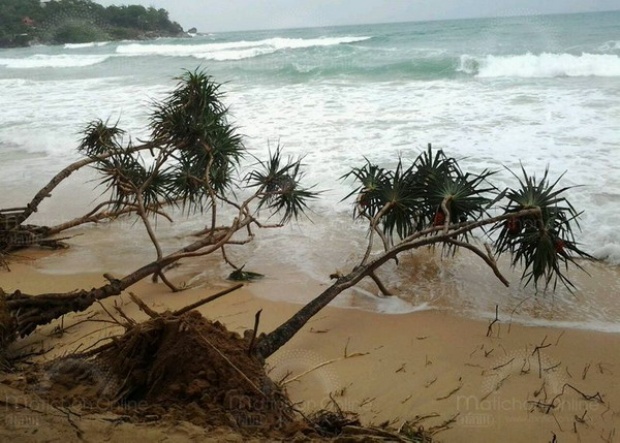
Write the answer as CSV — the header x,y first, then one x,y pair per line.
x,y
490,329
547,407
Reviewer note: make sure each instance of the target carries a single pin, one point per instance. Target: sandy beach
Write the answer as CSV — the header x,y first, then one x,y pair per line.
x,y
429,368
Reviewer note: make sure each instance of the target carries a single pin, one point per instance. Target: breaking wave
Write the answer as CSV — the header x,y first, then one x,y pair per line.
x,y
545,65
53,61
232,50
85,45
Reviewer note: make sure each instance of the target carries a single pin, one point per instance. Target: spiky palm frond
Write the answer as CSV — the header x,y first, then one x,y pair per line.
x,y
465,196
404,200
100,138
432,168
189,112
415,193
126,177
373,180
543,245
280,189
157,191
189,185
122,175
191,122
389,191
440,178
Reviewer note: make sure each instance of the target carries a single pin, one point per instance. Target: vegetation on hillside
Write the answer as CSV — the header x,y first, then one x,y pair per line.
x,y
24,22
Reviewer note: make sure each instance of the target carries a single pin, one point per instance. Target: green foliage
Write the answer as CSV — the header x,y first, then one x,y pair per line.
x,y
196,153
76,32
279,186
545,245
191,123
76,21
99,138
130,182
411,199
13,32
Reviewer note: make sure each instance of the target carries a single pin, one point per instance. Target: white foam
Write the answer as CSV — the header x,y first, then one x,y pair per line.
x,y
85,45
545,65
53,61
590,325
232,50
611,45
609,252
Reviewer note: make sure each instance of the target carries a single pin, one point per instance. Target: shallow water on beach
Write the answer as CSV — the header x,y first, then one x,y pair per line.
x,y
497,92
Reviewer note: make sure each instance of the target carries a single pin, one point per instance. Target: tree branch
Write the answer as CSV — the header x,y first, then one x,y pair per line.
x,y
488,259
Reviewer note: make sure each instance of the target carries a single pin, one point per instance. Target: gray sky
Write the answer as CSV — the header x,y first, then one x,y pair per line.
x,y
231,15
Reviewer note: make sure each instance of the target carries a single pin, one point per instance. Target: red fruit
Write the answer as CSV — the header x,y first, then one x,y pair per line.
x,y
363,199
440,218
559,246
513,226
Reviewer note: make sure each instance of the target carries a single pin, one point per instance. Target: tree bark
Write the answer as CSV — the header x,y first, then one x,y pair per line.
x,y
29,311
45,192
273,341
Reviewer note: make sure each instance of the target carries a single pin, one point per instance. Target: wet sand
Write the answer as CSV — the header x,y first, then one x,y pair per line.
x,y
427,367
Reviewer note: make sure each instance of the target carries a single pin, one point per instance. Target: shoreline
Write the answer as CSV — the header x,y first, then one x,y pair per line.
x,y
429,365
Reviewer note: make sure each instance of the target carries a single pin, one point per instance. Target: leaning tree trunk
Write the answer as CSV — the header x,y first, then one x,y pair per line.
x,y
273,341
20,313
29,311
14,234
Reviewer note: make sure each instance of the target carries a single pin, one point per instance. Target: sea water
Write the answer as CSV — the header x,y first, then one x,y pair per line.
x,y
497,93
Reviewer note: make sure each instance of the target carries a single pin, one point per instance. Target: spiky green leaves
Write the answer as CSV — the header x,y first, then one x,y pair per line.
x,y
129,180
372,181
98,138
192,124
410,198
279,186
195,155
542,244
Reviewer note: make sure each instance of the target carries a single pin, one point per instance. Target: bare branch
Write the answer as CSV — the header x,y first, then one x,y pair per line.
x,y
486,258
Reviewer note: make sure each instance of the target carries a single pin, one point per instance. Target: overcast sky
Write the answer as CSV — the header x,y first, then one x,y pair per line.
x,y
232,15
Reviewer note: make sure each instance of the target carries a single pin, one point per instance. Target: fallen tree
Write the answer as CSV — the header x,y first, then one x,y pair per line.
x,y
194,153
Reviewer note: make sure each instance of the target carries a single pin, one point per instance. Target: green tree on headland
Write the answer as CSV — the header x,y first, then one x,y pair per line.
x,y
24,22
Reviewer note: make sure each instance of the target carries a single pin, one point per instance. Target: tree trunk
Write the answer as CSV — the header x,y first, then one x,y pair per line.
x,y
14,234
283,333
287,330
30,311
45,192
26,312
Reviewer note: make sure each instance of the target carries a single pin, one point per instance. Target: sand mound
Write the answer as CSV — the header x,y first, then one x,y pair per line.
x,y
181,366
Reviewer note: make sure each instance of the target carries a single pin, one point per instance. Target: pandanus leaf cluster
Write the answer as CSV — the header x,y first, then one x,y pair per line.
x,y
544,245
432,195
279,186
191,125
100,138
412,197
191,158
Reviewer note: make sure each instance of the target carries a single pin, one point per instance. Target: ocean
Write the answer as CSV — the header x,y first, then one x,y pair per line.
x,y
539,91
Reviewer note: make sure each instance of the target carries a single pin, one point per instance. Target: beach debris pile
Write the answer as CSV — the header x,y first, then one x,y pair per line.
x,y
180,366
